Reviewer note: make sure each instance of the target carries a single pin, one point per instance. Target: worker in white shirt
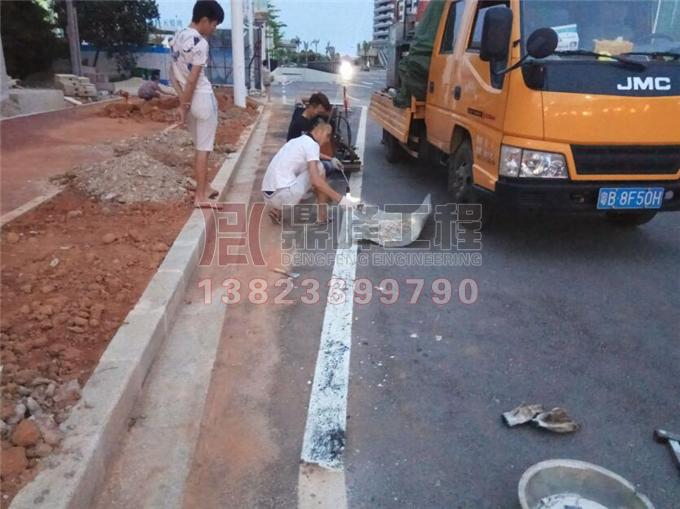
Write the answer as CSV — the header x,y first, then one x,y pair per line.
x,y
295,170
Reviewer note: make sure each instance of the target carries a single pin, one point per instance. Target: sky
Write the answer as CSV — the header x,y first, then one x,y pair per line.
x,y
342,22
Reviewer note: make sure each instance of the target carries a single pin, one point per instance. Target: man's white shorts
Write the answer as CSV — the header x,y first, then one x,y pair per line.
x,y
291,195
202,120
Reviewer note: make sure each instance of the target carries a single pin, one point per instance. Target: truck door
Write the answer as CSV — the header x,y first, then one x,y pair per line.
x,y
483,99
442,83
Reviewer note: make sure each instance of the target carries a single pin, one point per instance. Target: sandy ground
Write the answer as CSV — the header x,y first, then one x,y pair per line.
x,y
73,267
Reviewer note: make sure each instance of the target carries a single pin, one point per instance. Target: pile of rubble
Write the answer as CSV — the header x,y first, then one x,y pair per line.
x,y
158,110
30,428
132,178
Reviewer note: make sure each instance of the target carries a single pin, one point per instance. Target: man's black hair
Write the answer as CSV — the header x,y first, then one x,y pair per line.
x,y
319,99
207,9
155,75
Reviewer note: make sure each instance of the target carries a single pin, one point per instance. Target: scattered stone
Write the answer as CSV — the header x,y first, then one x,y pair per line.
x,y
49,392
75,329
12,238
25,309
4,429
71,214
26,434
27,288
25,377
54,262
14,462
68,392
39,451
47,288
159,247
33,406
79,320
109,238
42,381
135,236
23,391
39,342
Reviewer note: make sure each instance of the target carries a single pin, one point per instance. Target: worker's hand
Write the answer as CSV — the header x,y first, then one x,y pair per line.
x,y
337,164
348,201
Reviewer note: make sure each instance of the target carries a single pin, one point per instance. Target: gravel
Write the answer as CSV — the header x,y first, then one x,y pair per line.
x,y
132,178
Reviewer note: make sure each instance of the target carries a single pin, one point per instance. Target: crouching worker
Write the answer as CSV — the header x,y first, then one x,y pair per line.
x,y
295,170
151,89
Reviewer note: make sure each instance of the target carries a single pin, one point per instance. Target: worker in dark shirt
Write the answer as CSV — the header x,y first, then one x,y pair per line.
x,y
303,121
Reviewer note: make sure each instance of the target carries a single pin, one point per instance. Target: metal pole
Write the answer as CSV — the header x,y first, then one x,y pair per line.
x,y
260,58
251,42
238,59
73,37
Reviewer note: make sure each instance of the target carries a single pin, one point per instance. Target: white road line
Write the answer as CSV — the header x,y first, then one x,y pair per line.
x,y
321,482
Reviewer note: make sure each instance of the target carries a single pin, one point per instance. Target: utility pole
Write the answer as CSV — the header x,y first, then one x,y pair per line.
x,y
73,37
238,59
251,41
263,50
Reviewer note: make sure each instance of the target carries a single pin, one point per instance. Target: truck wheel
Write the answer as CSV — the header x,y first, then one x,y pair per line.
x,y
393,150
460,173
629,219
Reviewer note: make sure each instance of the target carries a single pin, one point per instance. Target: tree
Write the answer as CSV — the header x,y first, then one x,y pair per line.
x,y
315,42
28,38
114,26
274,26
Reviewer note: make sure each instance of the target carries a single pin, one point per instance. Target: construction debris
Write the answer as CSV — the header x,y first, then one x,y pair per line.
x,y
132,178
72,85
556,420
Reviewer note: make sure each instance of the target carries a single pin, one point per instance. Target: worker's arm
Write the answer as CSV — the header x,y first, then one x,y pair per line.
x,y
320,184
188,92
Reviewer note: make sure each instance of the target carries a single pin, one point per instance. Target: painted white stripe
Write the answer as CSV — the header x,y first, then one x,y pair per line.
x,y
13,214
324,438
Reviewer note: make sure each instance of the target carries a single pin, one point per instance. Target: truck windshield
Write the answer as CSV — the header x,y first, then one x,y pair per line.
x,y
607,26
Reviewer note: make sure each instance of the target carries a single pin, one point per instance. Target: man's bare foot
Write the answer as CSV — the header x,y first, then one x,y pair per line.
x,y
208,204
275,216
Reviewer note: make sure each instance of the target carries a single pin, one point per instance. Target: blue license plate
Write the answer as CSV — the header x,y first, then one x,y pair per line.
x,y
630,198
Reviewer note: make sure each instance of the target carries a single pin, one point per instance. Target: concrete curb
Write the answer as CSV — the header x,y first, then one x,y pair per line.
x,y
71,478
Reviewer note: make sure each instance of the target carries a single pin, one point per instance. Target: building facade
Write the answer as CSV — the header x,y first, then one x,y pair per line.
x,y
388,12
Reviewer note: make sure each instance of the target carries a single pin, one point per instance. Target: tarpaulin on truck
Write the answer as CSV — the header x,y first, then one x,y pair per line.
x,y
414,68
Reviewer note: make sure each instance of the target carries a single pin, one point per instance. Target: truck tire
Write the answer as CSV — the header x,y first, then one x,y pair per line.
x,y
629,219
460,173
393,150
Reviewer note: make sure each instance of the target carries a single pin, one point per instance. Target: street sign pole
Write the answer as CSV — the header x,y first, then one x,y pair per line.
x,y
251,42
238,59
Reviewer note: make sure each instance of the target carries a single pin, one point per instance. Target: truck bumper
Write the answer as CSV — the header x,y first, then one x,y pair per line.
x,y
570,196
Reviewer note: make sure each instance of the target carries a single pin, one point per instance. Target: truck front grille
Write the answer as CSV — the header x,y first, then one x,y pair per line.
x,y
626,160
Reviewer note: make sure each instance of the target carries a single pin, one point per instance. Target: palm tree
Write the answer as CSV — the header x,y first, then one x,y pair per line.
x,y
305,45
315,42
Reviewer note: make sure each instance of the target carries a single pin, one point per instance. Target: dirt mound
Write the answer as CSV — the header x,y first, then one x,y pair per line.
x,y
131,178
158,110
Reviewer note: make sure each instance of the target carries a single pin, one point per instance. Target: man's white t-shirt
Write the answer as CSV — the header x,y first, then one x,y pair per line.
x,y
289,162
189,48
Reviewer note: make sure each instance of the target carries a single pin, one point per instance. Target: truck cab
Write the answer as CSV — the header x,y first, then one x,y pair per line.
x,y
560,106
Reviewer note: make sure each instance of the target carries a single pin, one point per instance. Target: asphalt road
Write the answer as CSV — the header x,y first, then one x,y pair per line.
x,y
565,312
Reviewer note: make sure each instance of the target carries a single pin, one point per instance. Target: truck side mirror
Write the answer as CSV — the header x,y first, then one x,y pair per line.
x,y
542,43
496,35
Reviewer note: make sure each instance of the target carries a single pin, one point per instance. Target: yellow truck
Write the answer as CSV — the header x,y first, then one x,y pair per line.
x,y
545,105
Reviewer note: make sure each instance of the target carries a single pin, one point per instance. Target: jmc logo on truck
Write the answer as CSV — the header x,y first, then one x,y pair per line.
x,y
637,83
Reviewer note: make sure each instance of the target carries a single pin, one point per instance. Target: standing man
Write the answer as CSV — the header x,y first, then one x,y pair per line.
x,y
302,122
296,169
198,106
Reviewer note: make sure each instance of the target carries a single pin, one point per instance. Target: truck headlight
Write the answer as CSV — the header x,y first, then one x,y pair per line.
x,y
517,162
511,159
